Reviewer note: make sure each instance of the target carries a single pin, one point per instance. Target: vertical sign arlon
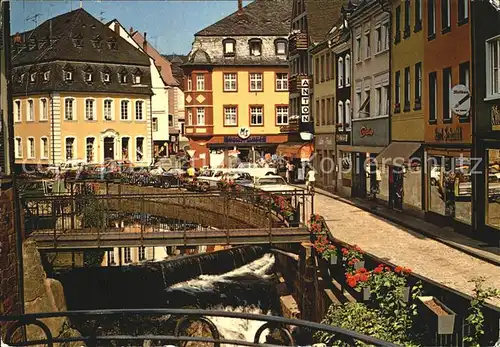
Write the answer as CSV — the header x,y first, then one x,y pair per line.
x,y
304,93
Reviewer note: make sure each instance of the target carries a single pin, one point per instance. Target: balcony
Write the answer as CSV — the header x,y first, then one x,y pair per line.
x,y
297,42
294,84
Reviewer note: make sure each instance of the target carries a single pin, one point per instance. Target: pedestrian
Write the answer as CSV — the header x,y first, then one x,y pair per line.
x,y
190,171
289,171
310,180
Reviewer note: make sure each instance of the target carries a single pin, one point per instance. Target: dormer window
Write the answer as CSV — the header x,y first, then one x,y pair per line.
x,y
122,75
33,77
137,76
20,78
106,77
280,46
46,76
68,76
88,77
229,46
255,47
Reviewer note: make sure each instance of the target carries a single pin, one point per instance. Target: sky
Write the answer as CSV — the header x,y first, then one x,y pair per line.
x,y
170,24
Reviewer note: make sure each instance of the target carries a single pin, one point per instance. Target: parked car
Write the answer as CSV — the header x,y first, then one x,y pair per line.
x,y
209,178
254,170
171,178
273,183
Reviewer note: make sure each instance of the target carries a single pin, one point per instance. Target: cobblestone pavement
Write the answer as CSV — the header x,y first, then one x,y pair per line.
x,y
401,246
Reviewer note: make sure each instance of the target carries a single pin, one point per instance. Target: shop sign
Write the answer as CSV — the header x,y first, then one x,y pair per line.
x,y
342,138
448,134
244,133
364,131
460,100
495,118
249,139
304,92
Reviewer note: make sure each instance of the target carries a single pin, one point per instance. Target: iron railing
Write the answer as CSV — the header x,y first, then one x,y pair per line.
x,y
280,330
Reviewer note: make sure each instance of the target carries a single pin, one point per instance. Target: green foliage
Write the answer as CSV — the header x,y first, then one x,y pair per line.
x,y
93,212
92,258
476,316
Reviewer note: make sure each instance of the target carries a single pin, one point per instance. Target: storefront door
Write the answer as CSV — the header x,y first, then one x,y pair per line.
x,y
397,185
359,175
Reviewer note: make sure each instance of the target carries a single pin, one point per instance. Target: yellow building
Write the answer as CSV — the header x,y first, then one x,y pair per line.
x,y
407,68
236,87
84,96
323,107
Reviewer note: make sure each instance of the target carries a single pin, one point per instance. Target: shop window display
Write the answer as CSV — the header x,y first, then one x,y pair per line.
x,y
493,187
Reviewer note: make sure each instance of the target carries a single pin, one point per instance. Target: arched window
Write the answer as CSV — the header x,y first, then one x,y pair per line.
x,y
347,120
340,115
340,73
347,70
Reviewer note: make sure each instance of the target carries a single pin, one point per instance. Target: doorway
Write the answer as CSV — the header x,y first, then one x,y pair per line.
x,y
359,175
109,148
396,177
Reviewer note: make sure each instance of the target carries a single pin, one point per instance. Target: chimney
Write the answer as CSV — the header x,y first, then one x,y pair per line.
x,y
117,28
145,42
131,30
240,6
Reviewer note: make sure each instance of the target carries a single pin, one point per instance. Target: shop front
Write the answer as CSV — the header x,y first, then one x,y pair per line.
x,y
369,138
324,161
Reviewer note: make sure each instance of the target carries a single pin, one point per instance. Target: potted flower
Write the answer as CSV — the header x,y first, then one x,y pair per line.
x,y
388,285
360,281
316,226
404,272
439,314
353,258
327,250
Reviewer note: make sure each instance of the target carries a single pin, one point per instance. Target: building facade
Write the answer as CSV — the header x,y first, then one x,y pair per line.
x,y
370,26
448,136
177,104
485,21
79,96
236,86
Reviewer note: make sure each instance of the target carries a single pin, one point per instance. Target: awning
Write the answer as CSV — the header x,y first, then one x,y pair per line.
x,y
295,150
398,152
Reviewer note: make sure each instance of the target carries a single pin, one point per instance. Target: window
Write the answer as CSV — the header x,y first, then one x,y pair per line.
x,y
347,68
111,257
431,18
125,149
379,37
88,77
493,70
90,109
323,112
46,76
200,82
19,147
397,35
445,16
464,72
69,112
127,257
230,116
70,148
142,253
31,148
44,111
229,47
322,68
281,82
368,51
463,11
332,65
139,108
327,66
200,116
280,47
154,124
124,112
418,15
358,103
317,112
378,99
68,76
18,110
44,148
230,82
397,91
340,114
31,111
347,116
340,72
365,107
358,49
407,89
317,71
139,148
123,77
447,113
256,115
418,86
385,100
106,77
256,82
386,35
281,115
432,96
255,47
407,18
190,117
108,109
33,77
137,79
89,149
170,120
189,84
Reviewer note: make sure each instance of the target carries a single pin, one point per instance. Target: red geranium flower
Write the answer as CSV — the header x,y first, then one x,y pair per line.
x,y
345,251
398,269
378,270
363,277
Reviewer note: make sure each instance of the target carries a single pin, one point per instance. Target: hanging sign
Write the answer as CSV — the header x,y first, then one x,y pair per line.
x,y
460,100
244,133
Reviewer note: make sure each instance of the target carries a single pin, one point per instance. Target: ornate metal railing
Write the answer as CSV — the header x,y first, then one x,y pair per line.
x,y
280,331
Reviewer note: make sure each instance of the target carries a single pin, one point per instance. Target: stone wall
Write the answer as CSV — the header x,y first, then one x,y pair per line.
x,y
9,300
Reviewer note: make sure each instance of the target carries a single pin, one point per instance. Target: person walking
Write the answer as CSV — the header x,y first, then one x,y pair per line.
x,y
310,180
289,172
